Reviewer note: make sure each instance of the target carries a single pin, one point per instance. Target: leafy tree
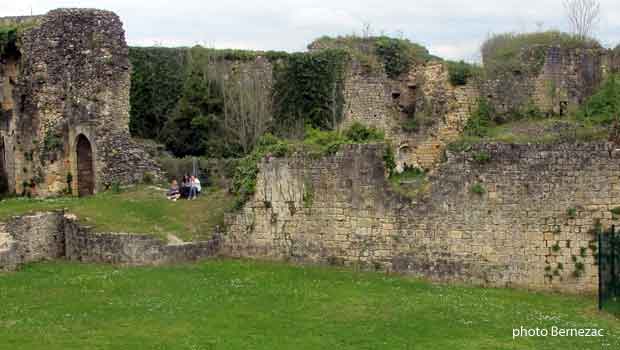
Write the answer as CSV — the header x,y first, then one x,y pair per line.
x,y
194,126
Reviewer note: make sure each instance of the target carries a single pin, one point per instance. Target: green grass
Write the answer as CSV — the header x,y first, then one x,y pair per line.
x,y
249,305
411,183
537,131
137,210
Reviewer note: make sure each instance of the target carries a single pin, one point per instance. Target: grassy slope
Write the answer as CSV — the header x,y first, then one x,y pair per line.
x,y
541,131
138,210
247,305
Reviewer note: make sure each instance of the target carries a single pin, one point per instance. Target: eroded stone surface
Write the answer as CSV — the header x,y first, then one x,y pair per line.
x,y
340,210
69,77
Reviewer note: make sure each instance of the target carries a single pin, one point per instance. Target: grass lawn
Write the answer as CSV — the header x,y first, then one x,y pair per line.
x,y
251,305
142,209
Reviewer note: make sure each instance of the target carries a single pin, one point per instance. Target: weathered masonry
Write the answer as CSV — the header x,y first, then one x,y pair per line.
x,y
64,96
530,225
56,235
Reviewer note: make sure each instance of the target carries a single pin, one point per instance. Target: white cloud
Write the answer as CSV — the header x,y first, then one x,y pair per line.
x,y
450,28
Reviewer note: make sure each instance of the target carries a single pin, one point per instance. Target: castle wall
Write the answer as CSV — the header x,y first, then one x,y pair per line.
x,y
56,235
340,210
565,79
440,109
73,78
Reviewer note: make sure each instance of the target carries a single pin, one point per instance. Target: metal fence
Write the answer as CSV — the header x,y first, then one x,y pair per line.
x,y
609,271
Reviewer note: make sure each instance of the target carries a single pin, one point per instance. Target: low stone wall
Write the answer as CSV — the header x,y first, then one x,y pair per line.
x,y
529,226
54,235
8,251
32,238
124,249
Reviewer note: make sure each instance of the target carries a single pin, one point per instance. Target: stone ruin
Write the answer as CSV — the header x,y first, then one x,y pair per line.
x,y
64,96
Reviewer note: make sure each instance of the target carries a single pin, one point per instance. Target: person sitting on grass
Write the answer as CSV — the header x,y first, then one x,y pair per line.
x,y
195,187
173,193
185,186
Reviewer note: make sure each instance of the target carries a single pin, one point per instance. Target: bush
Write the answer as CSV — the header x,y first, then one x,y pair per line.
x,y
460,72
477,189
359,133
308,89
604,106
396,55
480,120
482,157
8,39
390,161
502,52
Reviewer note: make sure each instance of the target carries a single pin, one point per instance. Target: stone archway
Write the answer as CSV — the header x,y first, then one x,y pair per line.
x,y
85,167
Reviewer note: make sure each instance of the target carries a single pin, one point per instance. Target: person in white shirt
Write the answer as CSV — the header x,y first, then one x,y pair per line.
x,y
195,187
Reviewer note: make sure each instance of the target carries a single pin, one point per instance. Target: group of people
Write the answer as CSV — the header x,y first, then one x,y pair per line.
x,y
189,189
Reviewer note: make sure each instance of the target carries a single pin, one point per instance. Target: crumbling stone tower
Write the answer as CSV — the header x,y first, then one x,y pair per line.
x,y
65,105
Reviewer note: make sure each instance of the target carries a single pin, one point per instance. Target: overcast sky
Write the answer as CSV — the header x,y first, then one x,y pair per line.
x,y
449,28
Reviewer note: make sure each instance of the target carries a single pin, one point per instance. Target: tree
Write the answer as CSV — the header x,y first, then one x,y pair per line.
x,y
583,16
248,105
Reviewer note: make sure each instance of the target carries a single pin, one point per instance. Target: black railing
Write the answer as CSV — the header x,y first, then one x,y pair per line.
x,y
609,271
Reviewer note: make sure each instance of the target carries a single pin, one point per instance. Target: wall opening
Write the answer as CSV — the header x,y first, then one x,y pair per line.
x,y
4,181
86,171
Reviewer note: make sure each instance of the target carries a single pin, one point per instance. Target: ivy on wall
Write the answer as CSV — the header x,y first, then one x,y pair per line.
x,y
8,39
395,55
177,100
308,89
157,80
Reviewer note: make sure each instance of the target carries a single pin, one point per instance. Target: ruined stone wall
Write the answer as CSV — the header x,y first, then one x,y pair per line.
x,y
72,79
555,83
340,210
56,235
425,94
82,244
31,238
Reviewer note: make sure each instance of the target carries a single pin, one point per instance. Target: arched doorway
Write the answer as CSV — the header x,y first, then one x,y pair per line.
x,y
86,172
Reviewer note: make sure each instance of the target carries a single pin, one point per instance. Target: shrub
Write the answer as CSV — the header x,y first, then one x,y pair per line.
x,y
482,157
308,89
460,72
615,213
571,213
501,53
480,120
8,39
579,269
478,189
604,106
359,133
389,160
397,55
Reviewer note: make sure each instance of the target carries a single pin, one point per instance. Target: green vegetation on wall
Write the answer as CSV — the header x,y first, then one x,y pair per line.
x,y
480,120
502,53
157,80
395,55
194,127
604,106
308,89
8,39
317,143
177,95
461,72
